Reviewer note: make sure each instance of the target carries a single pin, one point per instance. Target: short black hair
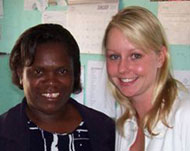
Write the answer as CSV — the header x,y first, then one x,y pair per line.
x,y
24,50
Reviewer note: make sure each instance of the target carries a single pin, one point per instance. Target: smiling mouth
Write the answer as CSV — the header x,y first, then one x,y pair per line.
x,y
51,95
127,80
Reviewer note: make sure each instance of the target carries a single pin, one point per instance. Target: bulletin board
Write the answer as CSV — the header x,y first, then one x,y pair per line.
x,y
15,20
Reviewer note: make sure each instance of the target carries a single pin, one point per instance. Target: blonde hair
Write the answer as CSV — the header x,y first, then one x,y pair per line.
x,y
145,31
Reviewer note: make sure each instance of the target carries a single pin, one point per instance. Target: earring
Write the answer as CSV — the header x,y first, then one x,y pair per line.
x,y
20,81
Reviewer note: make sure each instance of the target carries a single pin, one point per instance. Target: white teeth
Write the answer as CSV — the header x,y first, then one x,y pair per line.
x,y
50,95
127,80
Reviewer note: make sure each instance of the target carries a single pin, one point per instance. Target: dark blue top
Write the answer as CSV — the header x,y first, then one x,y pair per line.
x,y
15,135
41,140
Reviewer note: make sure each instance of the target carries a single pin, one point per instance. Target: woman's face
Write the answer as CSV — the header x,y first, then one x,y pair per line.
x,y
130,69
48,82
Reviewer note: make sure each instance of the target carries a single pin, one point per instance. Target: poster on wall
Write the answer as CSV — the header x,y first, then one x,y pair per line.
x,y
168,0
40,5
97,84
91,21
71,2
176,21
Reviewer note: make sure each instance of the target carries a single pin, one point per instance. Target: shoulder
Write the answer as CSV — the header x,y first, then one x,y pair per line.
x,y
181,108
181,120
11,115
8,120
183,102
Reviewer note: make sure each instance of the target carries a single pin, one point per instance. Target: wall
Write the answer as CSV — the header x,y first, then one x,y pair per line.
x,y
15,21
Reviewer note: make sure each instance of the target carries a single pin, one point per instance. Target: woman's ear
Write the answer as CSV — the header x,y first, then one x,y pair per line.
x,y
162,56
20,73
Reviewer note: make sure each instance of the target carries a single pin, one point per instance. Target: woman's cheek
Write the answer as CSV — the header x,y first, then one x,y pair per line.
x,y
140,69
112,69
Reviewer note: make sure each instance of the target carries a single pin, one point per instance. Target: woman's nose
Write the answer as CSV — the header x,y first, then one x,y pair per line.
x,y
124,66
50,79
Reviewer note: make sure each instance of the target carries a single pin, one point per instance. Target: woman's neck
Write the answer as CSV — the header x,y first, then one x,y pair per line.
x,y
142,105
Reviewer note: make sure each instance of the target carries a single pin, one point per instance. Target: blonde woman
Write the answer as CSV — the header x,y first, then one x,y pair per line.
x,y
156,107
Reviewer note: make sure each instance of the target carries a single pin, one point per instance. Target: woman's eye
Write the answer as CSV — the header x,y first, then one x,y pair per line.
x,y
37,72
114,57
62,71
136,56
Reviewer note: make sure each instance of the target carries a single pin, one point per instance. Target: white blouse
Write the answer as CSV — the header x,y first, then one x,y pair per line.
x,y
176,138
